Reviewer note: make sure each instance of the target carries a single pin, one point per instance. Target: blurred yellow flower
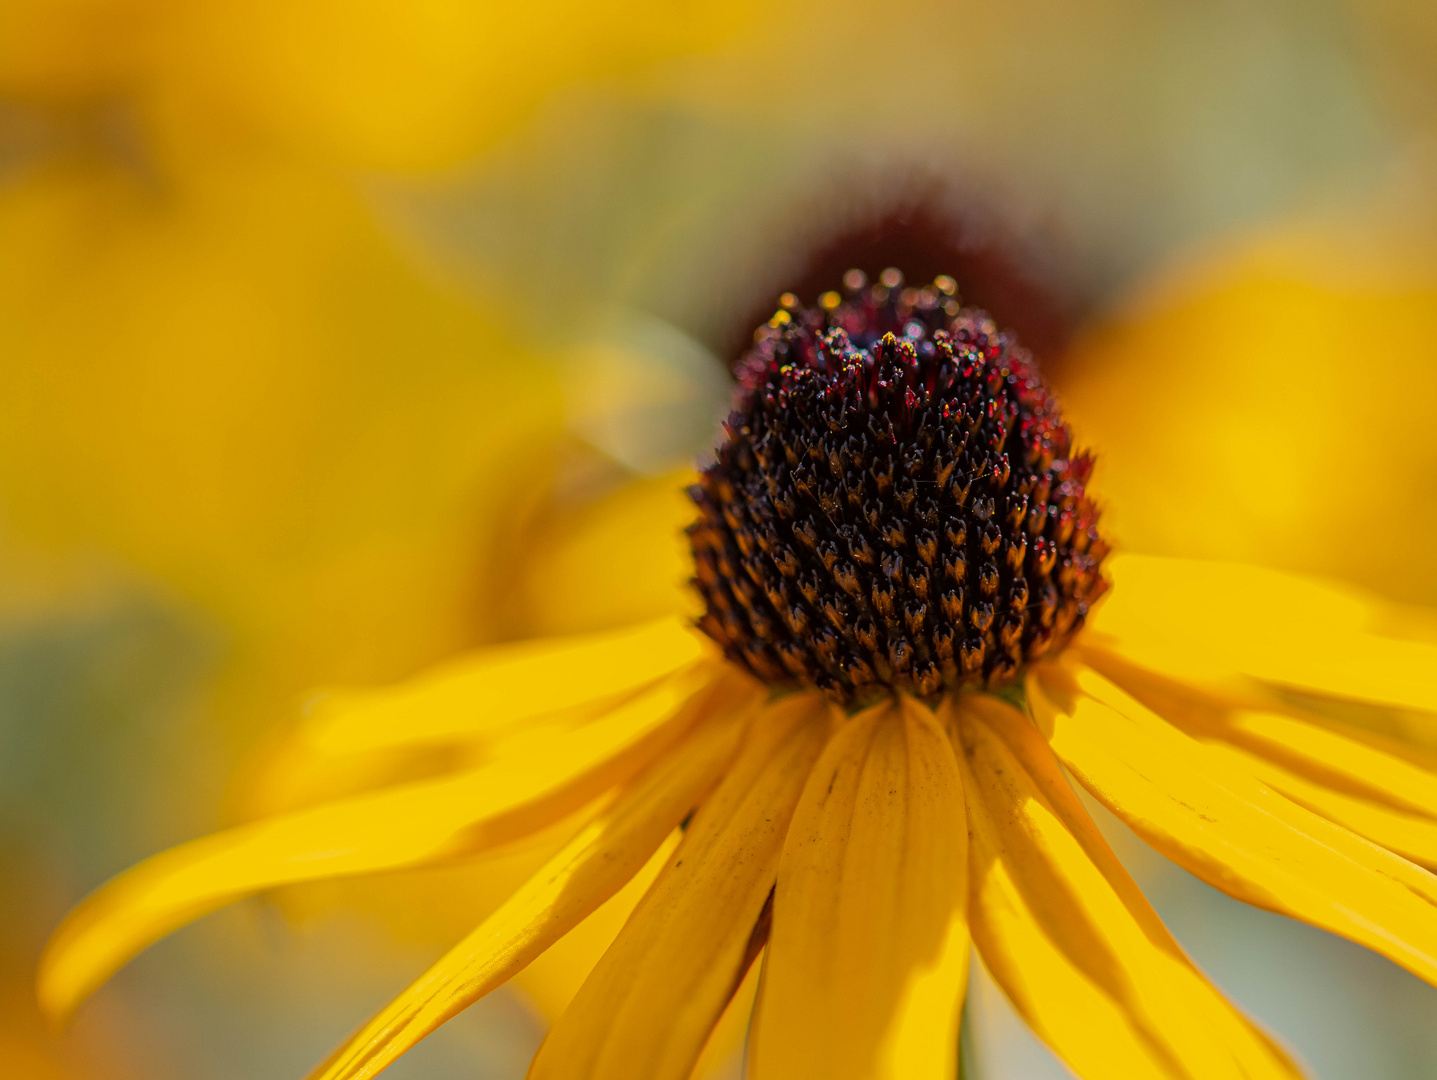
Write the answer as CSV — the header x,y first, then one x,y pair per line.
x,y
1269,403
219,365
372,84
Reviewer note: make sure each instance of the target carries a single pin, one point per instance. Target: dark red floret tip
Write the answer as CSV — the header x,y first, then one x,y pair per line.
x,y
897,504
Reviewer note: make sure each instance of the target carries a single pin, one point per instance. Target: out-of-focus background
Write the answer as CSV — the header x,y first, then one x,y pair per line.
x,y
332,334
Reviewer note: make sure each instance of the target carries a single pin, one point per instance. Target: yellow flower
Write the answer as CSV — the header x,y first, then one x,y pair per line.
x,y
856,768
1253,415
371,84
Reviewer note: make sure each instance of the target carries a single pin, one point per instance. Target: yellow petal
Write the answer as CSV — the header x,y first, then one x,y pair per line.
x,y
1324,751
450,717
1408,734
1413,836
1363,667
1231,830
723,1053
1355,778
868,957
1068,935
589,870
1203,621
497,689
553,977
1225,405
650,1004
1217,597
549,776
623,558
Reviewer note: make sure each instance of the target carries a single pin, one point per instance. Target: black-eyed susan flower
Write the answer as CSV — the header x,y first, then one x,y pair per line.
x,y
854,765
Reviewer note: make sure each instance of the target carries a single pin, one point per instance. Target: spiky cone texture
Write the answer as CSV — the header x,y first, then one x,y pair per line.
x,y
898,504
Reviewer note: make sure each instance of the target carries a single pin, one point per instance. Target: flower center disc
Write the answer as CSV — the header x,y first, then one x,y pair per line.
x,y
897,504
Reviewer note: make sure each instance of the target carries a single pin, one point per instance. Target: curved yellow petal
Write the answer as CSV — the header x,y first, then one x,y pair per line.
x,y
1228,828
1206,622
553,977
450,717
868,955
1352,777
1323,751
1413,836
496,689
650,1004
1067,933
622,558
538,781
724,1052
1226,408
590,869
1407,734
1215,598
1363,667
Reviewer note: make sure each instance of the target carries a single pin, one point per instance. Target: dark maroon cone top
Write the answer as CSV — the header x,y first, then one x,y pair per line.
x,y
897,504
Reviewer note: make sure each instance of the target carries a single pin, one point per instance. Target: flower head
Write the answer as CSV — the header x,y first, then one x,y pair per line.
x,y
878,443
898,504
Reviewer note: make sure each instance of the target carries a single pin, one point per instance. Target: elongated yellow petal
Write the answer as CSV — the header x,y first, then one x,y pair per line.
x,y
1228,828
1333,771
499,688
1363,667
449,719
1208,621
1413,836
625,556
868,957
1068,935
539,781
1325,751
589,870
1408,734
1214,598
651,1002
723,1052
